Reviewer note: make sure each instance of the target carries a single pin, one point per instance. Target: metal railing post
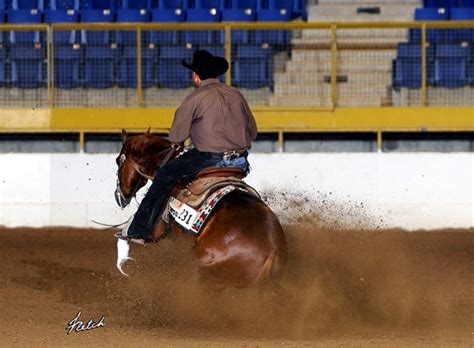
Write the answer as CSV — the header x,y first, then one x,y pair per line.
x,y
82,142
50,64
139,67
379,141
281,140
228,53
334,94
423,66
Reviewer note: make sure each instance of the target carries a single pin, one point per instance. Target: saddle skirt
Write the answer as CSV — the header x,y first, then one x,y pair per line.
x,y
191,206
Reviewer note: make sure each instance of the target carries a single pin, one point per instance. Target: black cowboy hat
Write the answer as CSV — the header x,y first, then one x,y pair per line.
x,y
206,65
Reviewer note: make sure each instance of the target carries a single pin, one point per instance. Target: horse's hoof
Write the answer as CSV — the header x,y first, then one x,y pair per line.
x,y
122,262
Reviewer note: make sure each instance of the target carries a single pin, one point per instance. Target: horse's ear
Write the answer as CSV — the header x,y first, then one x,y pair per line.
x,y
124,136
148,131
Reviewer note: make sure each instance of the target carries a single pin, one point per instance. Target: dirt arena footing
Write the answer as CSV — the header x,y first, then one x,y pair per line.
x,y
340,288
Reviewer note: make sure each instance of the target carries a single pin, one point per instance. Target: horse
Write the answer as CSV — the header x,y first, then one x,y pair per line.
x,y
242,243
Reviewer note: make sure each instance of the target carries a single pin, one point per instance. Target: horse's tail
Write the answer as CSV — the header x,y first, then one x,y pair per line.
x,y
270,269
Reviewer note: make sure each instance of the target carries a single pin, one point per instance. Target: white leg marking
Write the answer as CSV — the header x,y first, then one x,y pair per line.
x,y
123,248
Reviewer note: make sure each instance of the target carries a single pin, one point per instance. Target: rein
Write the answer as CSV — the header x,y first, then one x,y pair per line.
x,y
168,156
119,196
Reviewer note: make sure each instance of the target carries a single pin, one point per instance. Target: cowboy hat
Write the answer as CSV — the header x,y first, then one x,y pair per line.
x,y
206,65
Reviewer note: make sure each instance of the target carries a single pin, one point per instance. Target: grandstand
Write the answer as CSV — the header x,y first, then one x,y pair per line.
x,y
298,63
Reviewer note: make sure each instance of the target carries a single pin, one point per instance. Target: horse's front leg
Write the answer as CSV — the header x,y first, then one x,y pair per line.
x,y
123,250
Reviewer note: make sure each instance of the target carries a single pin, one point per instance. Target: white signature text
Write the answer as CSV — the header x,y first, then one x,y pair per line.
x,y
78,325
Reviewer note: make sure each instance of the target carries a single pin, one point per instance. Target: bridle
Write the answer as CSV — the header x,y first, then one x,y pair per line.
x,y
120,198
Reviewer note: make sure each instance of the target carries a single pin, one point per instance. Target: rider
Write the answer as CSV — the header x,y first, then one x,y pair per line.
x,y
217,119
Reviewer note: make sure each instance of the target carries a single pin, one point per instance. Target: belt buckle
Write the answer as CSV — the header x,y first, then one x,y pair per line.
x,y
229,156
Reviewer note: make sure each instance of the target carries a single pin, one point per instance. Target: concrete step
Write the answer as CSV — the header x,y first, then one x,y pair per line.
x,y
310,62
359,79
343,90
325,102
350,9
367,41
436,96
345,54
362,18
355,33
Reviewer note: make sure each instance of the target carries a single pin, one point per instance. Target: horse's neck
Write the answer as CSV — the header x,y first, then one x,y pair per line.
x,y
149,163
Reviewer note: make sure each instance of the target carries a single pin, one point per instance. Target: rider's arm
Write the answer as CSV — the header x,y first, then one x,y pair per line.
x,y
181,127
252,125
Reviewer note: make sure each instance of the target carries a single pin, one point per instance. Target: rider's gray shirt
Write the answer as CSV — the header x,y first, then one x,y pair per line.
x,y
216,117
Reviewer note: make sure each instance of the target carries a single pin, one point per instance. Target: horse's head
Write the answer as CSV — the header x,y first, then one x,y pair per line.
x,y
137,161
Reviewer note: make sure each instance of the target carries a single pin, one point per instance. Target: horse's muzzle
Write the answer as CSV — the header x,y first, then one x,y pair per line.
x,y
120,198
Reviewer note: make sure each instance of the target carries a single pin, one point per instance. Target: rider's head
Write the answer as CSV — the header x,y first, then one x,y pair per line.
x,y
205,66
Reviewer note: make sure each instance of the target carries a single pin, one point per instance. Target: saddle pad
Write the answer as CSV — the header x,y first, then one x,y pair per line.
x,y
193,219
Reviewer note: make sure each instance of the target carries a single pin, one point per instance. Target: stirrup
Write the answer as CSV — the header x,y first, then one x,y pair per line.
x,y
140,241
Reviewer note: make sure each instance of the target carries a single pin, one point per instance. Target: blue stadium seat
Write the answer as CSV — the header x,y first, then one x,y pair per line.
x,y
32,16
27,5
92,37
278,11
171,74
67,64
2,20
300,9
64,5
209,4
461,35
3,66
246,4
465,3
168,11
99,5
129,38
100,65
408,66
440,3
451,66
170,4
166,37
136,4
238,15
28,67
128,67
470,68
430,14
63,16
253,67
202,37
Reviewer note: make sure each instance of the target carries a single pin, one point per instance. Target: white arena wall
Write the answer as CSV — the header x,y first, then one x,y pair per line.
x,y
356,190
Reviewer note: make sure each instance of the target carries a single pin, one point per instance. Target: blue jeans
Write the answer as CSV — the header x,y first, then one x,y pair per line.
x,y
184,169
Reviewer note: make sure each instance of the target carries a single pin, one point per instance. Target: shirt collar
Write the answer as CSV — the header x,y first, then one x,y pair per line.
x,y
209,81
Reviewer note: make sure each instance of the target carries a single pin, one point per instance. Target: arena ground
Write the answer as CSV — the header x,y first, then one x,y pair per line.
x,y
341,288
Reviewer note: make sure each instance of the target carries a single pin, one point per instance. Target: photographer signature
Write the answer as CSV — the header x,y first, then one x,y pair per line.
x,y
78,325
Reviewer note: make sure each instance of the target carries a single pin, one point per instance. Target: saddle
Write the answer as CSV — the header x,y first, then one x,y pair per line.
x,y
209,180
192,204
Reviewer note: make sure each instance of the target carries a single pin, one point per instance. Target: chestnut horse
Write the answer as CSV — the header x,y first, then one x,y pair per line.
x,y
242,242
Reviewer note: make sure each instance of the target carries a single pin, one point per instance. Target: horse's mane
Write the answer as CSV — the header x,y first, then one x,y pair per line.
x,y
148,148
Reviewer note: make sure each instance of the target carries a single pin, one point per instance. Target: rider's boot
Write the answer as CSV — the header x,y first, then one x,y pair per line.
x,y
123,234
